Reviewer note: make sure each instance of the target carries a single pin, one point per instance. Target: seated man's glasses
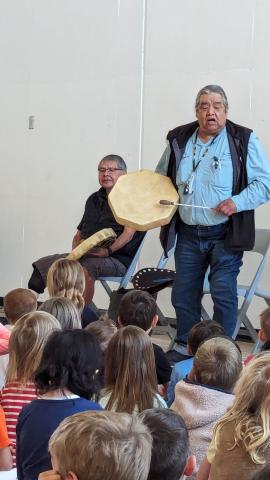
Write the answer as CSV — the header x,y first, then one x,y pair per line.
x,y
109,169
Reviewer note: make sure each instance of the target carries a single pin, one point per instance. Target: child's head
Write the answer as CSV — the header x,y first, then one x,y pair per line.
x,y
201,331
107,444
70,361
251,408
64,310
218,363
103,329
18,302
138,308
170,452
26,344
66,279
130,371
264,333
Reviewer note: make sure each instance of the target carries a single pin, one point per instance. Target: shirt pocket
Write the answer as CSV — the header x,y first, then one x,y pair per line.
x,y
217,172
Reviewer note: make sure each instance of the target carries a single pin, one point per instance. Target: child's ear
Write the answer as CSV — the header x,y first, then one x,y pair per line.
x,y
119,322
192,375
154,321
190,466
71,476
189,350
262,336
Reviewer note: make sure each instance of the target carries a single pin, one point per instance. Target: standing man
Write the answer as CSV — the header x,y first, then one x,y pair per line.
x,y
112,261
214,163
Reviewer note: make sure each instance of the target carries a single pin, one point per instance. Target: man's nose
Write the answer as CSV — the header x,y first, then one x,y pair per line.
x,y
210,110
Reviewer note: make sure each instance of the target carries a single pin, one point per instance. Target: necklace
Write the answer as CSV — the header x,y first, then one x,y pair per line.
x,y
188,187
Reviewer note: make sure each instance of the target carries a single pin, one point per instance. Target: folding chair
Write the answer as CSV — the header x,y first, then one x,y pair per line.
x,y
262,243
123,281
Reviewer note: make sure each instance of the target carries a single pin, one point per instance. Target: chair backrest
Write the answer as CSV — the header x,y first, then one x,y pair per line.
x,y
262,240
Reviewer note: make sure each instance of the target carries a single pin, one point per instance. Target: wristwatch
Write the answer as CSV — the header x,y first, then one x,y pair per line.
x,y
110,252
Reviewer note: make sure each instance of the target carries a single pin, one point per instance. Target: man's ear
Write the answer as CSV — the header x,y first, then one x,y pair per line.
x,y
154,321
190,466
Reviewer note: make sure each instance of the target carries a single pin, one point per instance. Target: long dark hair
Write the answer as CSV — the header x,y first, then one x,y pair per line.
x,y
71,360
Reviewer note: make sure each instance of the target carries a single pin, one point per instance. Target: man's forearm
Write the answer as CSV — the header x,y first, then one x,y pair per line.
x,y
123,239
76,239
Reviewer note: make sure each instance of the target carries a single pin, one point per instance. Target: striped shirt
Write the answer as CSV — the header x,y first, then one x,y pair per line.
x,y
13,397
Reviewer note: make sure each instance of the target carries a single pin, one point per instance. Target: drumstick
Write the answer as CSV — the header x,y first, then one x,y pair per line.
x,y
167,202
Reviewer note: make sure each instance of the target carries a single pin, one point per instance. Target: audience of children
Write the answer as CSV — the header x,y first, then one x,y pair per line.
x,y
140,309
240,445
205,396
66,278
27,340
170,452
100,445
199,332
130,373
64,310
66,383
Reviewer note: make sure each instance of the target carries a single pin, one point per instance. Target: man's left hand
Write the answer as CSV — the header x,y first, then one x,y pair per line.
x,y
99,252
227,207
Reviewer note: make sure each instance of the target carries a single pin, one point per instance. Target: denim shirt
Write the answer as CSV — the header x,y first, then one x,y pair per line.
x,y
213,178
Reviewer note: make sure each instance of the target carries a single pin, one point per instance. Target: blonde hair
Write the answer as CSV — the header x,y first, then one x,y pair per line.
x,y
103,329
66,279
250,411
130,371
265,322
18,302
64,310
218,363
26,344
106,444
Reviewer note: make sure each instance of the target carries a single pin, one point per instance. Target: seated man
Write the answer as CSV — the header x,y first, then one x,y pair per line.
x,y
111,261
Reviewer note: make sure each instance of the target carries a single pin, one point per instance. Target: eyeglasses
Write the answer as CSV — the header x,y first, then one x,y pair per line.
x,y
109,169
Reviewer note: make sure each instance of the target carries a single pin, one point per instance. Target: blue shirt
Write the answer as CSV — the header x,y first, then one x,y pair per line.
x,y
179,372
213,178
37,422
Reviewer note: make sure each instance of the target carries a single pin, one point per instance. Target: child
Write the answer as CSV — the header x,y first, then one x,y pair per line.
x,y
199,332
241,441
103,445
170,452
17,303
103,329
27,341
264,332
64,310
140,309
65,381
130,374
5,453
203,399
66,278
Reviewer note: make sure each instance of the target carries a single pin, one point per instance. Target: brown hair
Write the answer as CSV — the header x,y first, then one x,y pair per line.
x,y
66,279
130,372
103,329
18,302
102,445
26,344
265,322
64,310
137,308
218,363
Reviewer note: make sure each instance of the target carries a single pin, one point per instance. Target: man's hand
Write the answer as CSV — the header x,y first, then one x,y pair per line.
x,y
98,252
49,475
227,207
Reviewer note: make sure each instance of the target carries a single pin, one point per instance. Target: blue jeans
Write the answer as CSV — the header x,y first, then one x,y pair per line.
x,y
197,248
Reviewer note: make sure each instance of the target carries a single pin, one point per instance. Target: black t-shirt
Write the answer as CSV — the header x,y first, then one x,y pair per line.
x,y
163,367
98,215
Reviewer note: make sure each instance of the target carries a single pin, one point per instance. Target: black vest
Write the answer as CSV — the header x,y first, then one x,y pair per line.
x,y
241,226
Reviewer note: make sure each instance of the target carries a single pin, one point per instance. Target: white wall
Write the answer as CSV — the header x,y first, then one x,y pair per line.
x,y
110,76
